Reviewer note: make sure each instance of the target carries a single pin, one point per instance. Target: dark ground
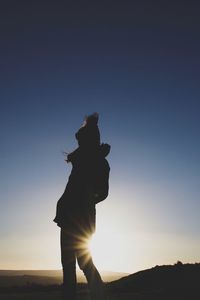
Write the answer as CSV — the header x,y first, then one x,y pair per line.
x,y
180,281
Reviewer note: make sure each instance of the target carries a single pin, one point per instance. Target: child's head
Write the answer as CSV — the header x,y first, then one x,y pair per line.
x,y
88,134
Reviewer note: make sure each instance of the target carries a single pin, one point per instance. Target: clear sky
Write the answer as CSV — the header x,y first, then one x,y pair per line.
x,y
137,63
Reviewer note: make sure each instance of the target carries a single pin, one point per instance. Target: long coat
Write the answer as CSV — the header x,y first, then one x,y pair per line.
x,y
76,207
87,185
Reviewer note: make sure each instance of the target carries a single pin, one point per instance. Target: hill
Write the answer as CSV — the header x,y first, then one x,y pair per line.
x,y
178,281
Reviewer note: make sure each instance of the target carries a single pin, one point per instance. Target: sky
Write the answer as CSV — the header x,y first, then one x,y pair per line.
x,y
137,64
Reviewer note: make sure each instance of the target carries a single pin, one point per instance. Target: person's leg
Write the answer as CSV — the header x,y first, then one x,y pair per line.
x,y
91,273
68,260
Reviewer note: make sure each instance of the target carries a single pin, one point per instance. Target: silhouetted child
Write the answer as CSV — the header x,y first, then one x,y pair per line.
x,y
87,185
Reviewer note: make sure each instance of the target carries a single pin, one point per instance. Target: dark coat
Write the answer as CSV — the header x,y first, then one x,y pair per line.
x,y
76,207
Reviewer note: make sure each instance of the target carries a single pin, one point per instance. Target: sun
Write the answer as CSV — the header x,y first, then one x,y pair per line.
x,y
107,249
115,245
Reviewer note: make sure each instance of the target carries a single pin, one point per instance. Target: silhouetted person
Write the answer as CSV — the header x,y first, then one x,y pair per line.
x,y
87,185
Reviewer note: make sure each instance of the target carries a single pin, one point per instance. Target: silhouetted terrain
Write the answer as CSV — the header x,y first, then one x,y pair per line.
x,y
179,281
162,282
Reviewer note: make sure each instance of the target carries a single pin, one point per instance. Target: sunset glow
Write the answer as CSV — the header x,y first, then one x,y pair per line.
x,y
137,66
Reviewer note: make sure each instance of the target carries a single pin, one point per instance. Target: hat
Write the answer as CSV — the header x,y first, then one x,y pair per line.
x,y
88,134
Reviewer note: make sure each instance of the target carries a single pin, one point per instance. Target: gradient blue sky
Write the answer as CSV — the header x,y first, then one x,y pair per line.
x,y
137,63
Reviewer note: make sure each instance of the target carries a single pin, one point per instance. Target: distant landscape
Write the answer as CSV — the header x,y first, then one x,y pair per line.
x,y
178,281
46,277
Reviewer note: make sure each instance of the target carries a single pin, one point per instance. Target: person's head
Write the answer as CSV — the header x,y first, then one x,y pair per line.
x,y
88,134
91,120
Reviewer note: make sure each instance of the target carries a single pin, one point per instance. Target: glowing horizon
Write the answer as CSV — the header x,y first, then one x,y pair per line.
x,y
117,245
